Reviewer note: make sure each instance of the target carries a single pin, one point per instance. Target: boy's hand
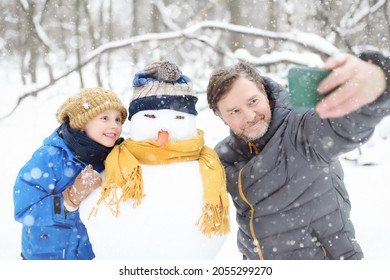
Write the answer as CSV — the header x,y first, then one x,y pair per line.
x,y
86,182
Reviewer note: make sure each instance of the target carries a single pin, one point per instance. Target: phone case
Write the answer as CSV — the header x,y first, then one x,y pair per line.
x,y
302,84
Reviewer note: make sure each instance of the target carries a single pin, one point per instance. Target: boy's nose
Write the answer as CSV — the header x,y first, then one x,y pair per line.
x,y
114,124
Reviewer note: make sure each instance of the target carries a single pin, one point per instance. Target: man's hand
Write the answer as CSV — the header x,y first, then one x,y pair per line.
x,y
86,182
353,82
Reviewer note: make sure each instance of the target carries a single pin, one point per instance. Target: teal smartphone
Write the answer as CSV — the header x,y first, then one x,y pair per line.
x,y
302,85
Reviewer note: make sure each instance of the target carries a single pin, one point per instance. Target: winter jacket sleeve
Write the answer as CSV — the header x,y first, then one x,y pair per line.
x,y
326,139
380,107
38,188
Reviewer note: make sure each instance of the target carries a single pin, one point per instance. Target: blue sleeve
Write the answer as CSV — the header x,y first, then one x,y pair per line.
x,y
38,188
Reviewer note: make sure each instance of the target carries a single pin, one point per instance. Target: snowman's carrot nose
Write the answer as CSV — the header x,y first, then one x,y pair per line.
x,y
162,138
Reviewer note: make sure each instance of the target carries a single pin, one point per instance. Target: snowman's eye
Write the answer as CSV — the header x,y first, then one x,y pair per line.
x,y
179,118
151,116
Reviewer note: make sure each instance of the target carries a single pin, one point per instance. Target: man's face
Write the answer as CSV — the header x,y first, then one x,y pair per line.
x,y
245,109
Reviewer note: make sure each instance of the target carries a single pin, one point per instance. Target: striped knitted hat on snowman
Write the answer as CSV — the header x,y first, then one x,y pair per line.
x,y
162,86
82,107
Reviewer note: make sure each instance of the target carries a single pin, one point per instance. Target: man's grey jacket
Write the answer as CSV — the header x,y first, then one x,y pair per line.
x,y
288,186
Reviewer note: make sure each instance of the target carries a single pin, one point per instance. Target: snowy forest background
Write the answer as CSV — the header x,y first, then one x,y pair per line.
x,y
51,48
48,40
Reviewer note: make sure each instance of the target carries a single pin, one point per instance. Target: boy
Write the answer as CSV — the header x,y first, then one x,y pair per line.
x,y
62,172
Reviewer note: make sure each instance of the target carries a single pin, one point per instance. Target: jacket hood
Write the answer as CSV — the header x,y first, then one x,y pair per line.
x,y
56,140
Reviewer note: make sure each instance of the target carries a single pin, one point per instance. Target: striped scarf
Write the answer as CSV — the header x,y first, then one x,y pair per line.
x,y
124,172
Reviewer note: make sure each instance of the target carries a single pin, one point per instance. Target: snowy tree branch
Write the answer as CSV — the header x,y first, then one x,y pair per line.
x,y
307,40
352,19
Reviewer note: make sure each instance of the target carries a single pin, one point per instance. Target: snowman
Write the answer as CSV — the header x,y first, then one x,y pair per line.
x,y
164,192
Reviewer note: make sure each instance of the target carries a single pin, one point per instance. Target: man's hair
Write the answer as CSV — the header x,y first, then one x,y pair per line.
x,y
222,79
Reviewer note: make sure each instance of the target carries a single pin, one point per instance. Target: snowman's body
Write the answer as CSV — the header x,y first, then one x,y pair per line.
x,y
164,225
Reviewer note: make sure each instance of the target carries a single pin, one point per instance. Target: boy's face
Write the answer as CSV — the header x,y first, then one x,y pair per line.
x,y
245,109
105,128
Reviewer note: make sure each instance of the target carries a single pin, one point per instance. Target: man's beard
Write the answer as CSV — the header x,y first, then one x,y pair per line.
x,y
261,133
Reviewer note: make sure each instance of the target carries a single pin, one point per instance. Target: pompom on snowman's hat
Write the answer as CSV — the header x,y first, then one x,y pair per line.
x,y
162,86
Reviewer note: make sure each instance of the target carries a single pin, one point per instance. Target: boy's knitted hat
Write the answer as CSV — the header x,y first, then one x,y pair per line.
x,y
162,86
82,107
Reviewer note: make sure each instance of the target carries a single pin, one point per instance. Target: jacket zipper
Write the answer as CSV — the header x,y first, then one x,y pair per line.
x,y
252,231
253,149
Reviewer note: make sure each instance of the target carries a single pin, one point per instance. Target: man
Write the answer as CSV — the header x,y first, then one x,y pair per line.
x,y
282,166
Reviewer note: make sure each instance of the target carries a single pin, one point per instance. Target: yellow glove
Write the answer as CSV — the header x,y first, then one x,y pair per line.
x,y
86,182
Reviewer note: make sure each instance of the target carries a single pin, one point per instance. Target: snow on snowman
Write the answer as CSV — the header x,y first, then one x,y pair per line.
x,y
164,192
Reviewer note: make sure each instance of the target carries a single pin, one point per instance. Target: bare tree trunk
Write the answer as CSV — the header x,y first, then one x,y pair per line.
x,y
155,19
109,34
62,32
135,27
46,48
29,58
235,12
272,21
23,49
78,38
32,61
94,40
271,45
386,14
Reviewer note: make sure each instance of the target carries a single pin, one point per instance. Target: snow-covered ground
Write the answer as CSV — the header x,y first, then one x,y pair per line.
x,y
25,129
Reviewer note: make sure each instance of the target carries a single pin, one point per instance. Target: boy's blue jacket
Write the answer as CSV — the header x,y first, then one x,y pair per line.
x,y
38,201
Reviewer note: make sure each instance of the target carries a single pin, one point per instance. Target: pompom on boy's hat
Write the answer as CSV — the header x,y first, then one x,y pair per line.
x,y
82,107
162,86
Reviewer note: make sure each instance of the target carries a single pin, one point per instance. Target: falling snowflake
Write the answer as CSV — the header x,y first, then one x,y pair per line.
x,y
36,173
86,105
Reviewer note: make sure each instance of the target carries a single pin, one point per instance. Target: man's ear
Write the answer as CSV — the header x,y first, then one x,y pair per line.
x,y
265,92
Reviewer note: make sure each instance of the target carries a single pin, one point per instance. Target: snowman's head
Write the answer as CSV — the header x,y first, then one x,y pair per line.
x,y
146,125
162,86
